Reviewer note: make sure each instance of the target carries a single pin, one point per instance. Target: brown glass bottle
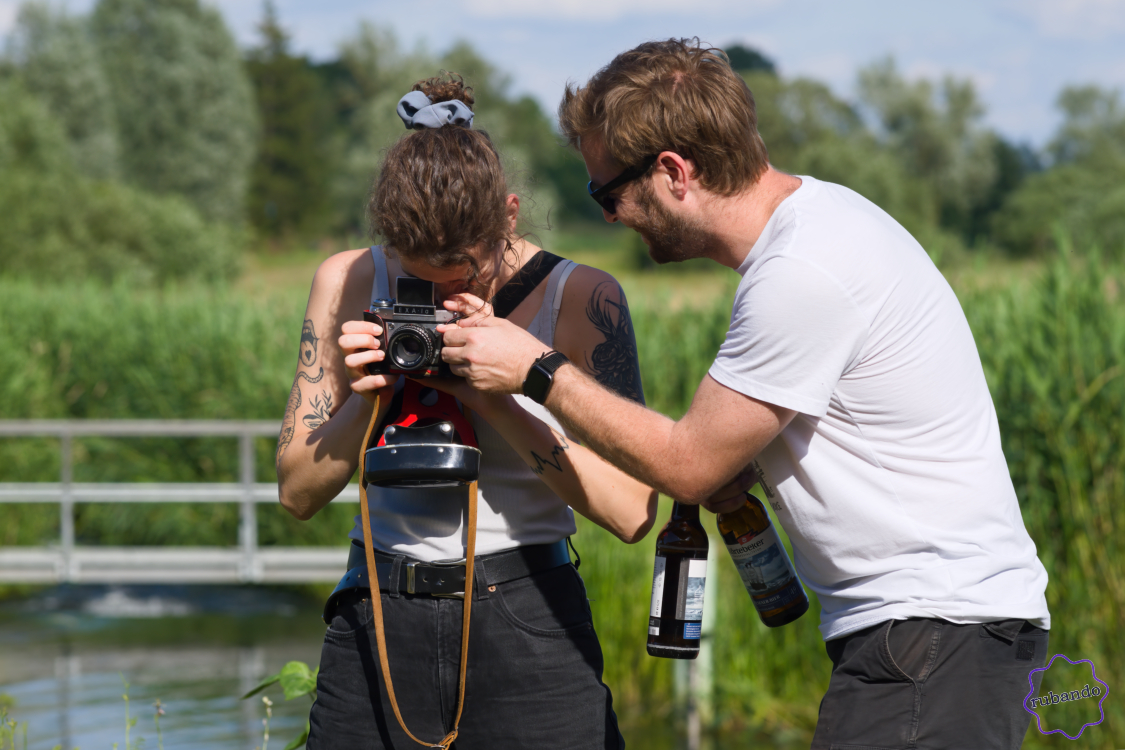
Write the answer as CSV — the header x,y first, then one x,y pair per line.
x,y
678,581
762,563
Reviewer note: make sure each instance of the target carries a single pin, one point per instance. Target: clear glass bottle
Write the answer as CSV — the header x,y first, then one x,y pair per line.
x,y
678,582
763,563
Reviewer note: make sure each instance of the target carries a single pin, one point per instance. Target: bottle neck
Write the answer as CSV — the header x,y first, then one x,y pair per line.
x,y
682,512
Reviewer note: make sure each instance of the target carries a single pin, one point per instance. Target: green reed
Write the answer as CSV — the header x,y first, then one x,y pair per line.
x,y
1052,350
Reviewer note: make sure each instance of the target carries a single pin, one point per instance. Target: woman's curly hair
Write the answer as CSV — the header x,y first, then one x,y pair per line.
x,y
441,191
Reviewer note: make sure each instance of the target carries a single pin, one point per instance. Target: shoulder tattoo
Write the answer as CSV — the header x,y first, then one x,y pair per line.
x,y
614,362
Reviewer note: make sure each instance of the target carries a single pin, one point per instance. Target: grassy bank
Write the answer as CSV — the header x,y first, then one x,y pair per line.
x,y
1052,343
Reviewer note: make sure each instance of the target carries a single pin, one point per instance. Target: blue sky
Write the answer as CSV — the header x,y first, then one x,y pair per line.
x,y
1019,53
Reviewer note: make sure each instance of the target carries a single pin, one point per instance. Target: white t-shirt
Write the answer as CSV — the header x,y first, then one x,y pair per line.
x,y
890,480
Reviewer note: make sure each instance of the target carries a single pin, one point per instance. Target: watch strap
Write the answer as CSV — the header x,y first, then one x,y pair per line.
x,y
551,361
537,384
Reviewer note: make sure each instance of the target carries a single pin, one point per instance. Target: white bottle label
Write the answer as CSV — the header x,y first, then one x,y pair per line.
x,y
657,589
761,562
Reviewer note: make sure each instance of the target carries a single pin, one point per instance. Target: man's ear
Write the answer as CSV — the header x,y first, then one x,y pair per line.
x,y
513,204
675,173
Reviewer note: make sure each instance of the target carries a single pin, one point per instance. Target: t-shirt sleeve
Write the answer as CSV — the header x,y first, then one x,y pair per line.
x,y
794,332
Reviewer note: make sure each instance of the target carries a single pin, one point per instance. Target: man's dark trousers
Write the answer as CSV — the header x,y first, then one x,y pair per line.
x,y
930,685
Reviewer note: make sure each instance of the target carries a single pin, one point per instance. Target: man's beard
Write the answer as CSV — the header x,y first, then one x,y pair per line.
x,y
670,238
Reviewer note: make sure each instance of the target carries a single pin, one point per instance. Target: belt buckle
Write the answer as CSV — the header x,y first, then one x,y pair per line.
x,y
410,577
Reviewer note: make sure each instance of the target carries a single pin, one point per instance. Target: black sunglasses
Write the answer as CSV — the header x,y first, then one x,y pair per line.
x,y
602,196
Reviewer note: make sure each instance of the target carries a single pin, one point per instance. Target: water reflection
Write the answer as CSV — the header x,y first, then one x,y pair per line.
x,y
63,653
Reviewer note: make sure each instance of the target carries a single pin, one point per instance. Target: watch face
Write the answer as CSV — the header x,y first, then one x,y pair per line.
x,y
537,384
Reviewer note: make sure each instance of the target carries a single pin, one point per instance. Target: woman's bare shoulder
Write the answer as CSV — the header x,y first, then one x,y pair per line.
x,y
588,285
344,270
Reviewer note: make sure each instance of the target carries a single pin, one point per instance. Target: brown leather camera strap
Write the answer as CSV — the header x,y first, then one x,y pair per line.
x,y
377,601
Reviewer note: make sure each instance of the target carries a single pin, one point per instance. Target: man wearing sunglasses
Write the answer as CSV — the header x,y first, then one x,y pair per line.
x,y
849,385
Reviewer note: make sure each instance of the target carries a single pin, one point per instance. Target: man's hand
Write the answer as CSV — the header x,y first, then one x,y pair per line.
x,y
493,355
732,496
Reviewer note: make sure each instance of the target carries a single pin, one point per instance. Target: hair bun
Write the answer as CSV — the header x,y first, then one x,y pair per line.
x,y
446,87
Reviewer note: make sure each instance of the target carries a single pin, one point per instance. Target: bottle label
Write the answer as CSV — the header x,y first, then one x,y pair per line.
x,y
693,577
692,631
762,563
777,599
657,591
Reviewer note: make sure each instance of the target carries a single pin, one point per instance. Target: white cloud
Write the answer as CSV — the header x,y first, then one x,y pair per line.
x,y
1073,19
604,10
8,11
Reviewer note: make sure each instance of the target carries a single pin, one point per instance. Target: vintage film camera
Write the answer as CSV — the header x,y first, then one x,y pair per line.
x,y
409,322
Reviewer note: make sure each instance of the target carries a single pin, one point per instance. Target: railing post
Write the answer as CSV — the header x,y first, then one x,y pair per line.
x,y
248,528
66,570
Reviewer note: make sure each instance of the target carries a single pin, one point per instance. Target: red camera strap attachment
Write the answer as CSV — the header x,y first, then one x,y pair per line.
x,y
420,403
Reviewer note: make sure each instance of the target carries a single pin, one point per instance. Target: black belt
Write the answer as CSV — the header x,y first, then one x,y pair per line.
x,y
403,575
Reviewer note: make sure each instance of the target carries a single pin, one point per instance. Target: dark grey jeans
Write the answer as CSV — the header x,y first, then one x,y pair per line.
x,y
930,685
534,677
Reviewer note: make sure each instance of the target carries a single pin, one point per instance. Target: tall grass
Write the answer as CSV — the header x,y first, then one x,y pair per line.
x,y
1053,352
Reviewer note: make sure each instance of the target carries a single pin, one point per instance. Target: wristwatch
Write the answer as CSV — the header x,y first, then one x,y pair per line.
x,y
541,376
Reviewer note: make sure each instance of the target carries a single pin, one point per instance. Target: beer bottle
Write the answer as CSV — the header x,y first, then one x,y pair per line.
x,y
678,580
762,563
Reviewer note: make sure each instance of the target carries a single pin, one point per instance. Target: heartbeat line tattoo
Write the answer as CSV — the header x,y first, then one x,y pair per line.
x,y
554,460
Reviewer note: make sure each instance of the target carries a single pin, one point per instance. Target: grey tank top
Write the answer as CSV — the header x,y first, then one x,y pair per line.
x,y
514,507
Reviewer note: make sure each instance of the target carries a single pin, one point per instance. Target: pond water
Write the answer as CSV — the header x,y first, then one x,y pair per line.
x,y
65,652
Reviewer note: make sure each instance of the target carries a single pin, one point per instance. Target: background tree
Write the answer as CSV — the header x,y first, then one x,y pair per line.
x,y
59,224
288,188
184,105
937,135
1082,195
58,63
748,60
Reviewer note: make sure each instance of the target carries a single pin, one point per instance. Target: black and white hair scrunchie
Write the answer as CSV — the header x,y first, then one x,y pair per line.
x,y
419,111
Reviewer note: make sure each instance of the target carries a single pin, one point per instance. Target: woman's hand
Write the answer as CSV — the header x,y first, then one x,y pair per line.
x,y
359,343
492,354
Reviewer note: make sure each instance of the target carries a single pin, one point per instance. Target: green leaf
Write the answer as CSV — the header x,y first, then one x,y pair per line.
x,y
299,741
297,679
262,685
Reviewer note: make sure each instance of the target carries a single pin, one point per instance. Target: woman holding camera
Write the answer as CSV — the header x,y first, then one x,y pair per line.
x,y
534,662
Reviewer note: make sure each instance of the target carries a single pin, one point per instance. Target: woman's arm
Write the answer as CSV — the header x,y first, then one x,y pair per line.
x,y
596,333
324,424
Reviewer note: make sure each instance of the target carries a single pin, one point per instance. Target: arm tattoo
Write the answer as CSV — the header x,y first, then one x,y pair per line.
x,y
289,422
309,341
554,460
614,361
322,410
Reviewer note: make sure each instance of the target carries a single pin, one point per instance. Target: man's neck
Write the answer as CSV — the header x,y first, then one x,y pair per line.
x,y
736,222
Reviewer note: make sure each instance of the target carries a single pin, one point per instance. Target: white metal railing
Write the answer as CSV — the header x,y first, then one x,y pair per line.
x,y
247,562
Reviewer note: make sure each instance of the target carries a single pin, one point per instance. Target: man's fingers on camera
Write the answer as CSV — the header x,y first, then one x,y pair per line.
x,y
472,307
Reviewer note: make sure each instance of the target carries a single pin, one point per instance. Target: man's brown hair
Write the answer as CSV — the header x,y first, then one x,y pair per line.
x,y
441,191
676,95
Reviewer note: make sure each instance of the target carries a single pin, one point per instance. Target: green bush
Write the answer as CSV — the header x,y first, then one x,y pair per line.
x,y
60,224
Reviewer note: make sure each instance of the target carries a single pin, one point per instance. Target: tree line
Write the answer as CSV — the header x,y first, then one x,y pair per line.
x,y
140,141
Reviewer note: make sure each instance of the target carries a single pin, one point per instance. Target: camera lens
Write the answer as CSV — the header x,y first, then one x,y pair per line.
x,y
410,348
